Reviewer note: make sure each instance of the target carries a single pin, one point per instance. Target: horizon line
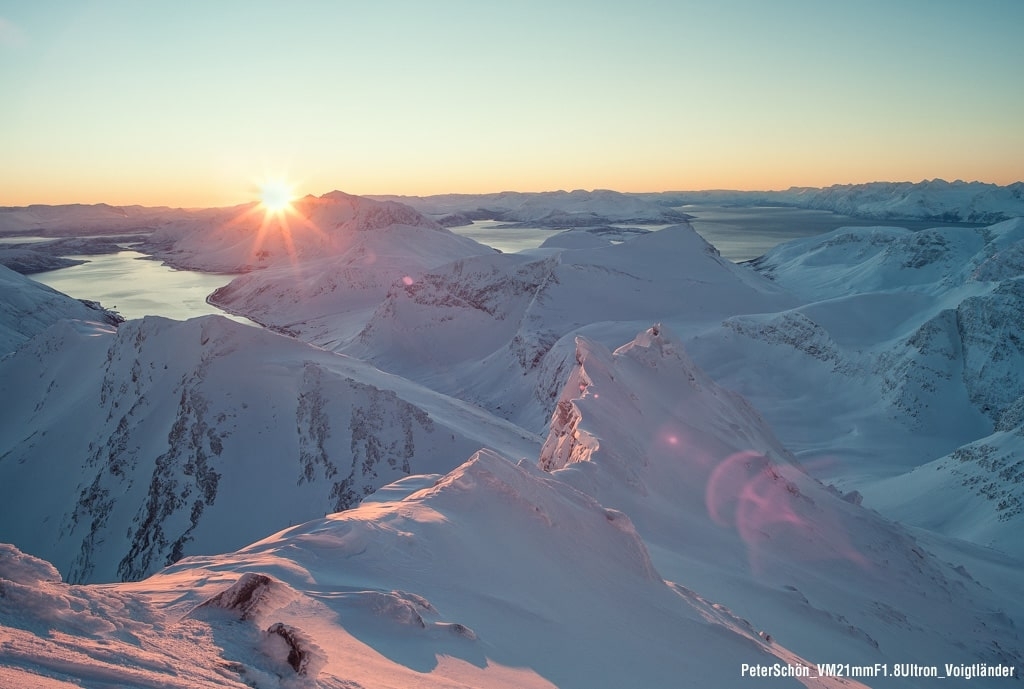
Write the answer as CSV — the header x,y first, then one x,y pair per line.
x,y
10,207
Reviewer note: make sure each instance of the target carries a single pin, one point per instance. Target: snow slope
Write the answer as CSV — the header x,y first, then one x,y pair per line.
x,y
28,307
958,294
974,493
124,450
907,351
324,300
493,576
521,310
726,512
661,556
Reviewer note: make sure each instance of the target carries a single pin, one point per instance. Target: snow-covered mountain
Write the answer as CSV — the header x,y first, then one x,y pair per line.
x,y
937,199
556,209
79,220
124,450
694,561
325,265
491,576
958,296
909,351
726,511
324,300
524,308
28,257
247,237
975,493
28,261
28,307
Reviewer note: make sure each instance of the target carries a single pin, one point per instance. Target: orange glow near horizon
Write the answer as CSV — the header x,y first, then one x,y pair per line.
x,y
276,196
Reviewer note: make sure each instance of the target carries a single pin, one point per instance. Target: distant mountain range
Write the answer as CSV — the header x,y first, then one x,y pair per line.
x,y
936,200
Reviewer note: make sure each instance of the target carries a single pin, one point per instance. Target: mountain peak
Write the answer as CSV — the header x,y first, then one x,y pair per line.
x,y
658,344
660,401
240,240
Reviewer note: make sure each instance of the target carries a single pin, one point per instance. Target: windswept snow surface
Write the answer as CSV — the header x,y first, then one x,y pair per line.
x,y
494,576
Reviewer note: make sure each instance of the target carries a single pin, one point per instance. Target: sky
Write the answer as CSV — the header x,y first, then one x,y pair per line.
x,y
200,103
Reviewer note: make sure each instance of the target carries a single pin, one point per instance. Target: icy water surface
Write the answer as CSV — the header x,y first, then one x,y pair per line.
x,y
743,233
508,240
135,286
739,234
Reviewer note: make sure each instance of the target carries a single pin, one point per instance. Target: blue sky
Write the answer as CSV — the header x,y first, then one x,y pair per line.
x,y
197,103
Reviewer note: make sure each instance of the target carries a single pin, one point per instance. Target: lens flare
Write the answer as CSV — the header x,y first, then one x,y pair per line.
x,y
276,196
277,228
749,493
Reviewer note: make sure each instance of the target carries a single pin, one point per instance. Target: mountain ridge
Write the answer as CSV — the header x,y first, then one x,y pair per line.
x,y
178,421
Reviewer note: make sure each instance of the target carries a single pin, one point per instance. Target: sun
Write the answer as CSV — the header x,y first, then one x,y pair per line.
x,y
276,196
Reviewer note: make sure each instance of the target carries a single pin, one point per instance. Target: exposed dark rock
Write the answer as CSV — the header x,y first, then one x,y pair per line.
x,y
298,655
243,597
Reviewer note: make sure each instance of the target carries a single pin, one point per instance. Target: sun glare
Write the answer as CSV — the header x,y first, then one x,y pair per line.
x,y
275,224
276,196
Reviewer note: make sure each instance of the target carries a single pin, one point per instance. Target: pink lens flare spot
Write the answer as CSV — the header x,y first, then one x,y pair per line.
x,y
751,494
407,281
